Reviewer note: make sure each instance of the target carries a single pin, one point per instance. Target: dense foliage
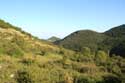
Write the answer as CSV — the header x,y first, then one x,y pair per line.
x,y
56,68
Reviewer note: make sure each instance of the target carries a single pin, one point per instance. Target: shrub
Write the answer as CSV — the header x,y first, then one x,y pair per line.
x,y
86,51
67,78
101,57
14,51
111,79
28,60
116,69
23,77
6,47
42,53
85,59
83,79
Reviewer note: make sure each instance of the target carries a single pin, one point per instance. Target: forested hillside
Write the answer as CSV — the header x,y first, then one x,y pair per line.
x,y
84,38
111,41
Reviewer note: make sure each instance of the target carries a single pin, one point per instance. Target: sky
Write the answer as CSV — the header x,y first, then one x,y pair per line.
x,y
46,18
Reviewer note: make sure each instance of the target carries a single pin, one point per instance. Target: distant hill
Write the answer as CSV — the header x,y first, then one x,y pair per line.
x,y
82,38
108,41
53,39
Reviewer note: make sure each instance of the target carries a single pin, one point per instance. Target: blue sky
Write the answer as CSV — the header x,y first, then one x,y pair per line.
x,y
46,18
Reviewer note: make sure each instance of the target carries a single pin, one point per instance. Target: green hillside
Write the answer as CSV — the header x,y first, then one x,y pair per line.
x,y
27,59
84,38
110,41
116,40
116,32
15,41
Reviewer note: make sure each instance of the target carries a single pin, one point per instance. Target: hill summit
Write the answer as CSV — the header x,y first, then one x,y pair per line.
x,y
53,39
111,41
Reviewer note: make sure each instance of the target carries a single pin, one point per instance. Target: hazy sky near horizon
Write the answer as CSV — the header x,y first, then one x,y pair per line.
x,y
46,18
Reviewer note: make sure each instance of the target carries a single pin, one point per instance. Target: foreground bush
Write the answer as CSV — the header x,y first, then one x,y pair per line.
x,y
23,77
111,79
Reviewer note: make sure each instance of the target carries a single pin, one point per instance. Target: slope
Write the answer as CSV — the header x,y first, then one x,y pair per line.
x,y
111,41
15,41
118,31
83,38
116,41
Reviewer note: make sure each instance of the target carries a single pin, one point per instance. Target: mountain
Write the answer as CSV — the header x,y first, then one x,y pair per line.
x,y
53,39
111,41
83,38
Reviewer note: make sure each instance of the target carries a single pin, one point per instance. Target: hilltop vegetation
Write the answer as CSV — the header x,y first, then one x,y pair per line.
x,y
26,59
84,38
111,41
118,31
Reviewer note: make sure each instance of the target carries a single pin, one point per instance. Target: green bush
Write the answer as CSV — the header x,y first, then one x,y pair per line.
x,y
11,49
28,60
83,79
42,53
86,51
111,79
23,77
14,51
101,58
116,70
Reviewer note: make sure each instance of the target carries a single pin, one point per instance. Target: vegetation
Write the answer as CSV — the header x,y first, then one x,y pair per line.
x,y
25,59
53,68
79,39
111,41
